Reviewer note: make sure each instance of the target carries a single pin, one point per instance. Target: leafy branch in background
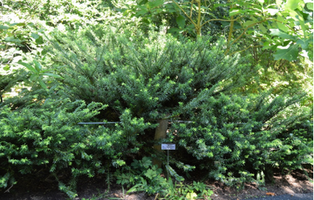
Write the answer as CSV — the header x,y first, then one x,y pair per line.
x,y
283,27
298,15
38,73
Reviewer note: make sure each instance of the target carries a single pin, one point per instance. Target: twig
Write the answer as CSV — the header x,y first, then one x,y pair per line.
x,y
245,49
185,13
8,190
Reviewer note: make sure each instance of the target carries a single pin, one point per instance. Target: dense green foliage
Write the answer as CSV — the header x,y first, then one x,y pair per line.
x,y
235,138
164,78
151,76
238,104
49,137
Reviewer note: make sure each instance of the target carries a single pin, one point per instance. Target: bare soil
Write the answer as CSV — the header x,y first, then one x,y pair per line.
x,y
29,188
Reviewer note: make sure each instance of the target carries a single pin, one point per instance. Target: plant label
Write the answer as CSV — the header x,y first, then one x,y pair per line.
x,y
168,146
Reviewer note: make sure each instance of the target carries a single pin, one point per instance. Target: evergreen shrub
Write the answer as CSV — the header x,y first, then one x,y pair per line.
x,y
233,137
150,75
141,80
48,137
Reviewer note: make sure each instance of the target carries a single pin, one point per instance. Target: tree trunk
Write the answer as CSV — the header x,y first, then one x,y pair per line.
x,y
160,133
